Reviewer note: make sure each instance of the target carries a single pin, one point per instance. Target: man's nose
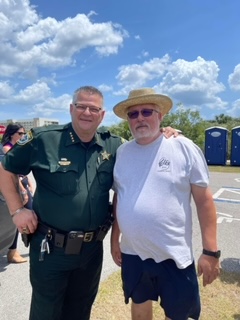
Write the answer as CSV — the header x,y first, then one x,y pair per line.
x,y
140,116
87,110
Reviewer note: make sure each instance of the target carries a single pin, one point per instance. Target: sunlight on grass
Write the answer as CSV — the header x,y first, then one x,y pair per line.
x,y
220,300
224,169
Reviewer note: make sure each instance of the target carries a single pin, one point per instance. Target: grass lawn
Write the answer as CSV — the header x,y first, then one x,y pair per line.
x,y
220,300
224,169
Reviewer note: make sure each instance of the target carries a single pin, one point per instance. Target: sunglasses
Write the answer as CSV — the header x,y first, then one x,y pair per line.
x,y
144,112
21,133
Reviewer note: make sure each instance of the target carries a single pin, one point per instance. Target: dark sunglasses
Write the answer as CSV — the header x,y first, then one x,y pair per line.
x,y
21,133
144,112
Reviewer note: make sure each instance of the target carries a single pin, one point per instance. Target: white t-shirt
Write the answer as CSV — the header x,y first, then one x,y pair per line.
x,y
153,184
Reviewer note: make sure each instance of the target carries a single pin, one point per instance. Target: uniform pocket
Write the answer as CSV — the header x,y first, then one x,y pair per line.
x,y
105,175
64,179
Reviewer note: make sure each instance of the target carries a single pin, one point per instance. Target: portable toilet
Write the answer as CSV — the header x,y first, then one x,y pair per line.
x,y
235,147
216,145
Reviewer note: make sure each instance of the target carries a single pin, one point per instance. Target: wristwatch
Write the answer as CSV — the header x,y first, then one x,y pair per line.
x,y
215,254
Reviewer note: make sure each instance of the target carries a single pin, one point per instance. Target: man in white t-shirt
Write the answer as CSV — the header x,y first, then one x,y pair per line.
x,y
154,179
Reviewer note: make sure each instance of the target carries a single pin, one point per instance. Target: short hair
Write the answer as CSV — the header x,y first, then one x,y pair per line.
x,y
88,89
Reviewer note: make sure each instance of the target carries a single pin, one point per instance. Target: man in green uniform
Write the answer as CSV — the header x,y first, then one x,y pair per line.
x,y
73,168
72,165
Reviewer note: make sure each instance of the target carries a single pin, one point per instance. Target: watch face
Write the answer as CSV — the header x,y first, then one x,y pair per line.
x,y
218,254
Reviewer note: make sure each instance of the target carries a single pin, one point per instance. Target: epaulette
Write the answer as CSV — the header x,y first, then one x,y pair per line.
x,y
103,130
105,134
52,127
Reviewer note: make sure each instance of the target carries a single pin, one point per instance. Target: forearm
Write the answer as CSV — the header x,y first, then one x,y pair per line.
x,y
208,224
9,186
115,233
207,218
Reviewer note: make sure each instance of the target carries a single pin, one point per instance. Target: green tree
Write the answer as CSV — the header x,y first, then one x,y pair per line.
x,y
223,119
189,122
122,130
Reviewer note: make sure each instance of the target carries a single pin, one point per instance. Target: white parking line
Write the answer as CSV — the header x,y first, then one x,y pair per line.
x,y
226,218
217,194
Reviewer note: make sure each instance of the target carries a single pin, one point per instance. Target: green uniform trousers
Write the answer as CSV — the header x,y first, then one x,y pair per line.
x,y
64,286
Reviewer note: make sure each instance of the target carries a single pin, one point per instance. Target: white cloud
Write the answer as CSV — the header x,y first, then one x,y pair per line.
x,y
14,16
6,90
29,42
143,54
31,94
53,105
235,110
234,79
39,98
91,13
193,83
136,75
105,88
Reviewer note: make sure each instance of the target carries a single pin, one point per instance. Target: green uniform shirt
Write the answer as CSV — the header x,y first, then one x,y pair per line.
x,y
72,180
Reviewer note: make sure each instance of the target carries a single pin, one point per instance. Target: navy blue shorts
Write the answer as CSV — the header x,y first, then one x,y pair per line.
x,y
177,288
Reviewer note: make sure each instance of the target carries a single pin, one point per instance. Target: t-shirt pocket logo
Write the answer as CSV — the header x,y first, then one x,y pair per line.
x,y
164,165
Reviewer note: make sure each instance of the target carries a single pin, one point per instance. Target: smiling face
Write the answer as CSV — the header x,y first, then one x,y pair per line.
x,y
145,127
86,120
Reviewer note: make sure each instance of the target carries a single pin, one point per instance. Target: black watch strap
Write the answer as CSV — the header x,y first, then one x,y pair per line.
x,y
215,254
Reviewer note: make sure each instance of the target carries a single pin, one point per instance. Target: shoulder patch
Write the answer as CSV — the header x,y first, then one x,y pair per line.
x,y
25,139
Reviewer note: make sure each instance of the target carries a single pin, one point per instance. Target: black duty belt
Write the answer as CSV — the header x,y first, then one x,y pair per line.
x,y
60,237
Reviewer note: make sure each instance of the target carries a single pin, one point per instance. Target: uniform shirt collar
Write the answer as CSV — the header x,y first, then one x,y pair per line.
x,y
72,137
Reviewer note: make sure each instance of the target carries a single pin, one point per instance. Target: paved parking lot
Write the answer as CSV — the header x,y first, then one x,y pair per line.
x,y
15,290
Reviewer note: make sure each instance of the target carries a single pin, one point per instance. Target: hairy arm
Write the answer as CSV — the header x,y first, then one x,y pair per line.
x,y
207,266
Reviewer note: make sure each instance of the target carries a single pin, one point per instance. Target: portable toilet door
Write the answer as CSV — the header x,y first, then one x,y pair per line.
x,y
216,145
235,147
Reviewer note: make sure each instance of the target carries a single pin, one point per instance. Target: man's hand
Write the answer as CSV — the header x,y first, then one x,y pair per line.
x,y
26,221
209,267
169,131
116,253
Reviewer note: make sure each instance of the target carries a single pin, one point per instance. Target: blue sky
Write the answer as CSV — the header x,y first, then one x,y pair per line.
x,y
188,49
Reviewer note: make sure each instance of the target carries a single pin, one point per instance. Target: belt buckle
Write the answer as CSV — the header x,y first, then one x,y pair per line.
x,y
88,236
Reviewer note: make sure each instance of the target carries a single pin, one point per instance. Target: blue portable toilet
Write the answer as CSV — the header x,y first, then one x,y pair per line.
x,y
235,147
216,145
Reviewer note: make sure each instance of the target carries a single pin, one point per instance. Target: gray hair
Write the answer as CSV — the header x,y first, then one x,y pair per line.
x,y
88,89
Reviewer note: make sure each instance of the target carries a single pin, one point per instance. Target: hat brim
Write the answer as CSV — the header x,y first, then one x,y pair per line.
x,y
163,102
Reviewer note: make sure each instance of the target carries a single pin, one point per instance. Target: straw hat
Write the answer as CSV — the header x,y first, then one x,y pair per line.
x,y
143,96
